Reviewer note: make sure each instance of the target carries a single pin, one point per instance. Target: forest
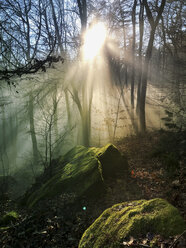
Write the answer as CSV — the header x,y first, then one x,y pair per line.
x,y
92,123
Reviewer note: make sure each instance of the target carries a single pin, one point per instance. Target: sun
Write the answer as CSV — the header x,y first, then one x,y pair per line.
x,y
93,41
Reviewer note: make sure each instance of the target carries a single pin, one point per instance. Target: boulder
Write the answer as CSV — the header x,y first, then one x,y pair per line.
x,y
134,219
81,171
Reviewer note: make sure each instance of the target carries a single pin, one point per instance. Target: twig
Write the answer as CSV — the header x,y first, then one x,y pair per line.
x,y
138,245
143,245
177,239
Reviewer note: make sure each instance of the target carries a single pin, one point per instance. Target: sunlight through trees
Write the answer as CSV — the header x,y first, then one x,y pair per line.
x,y
86,72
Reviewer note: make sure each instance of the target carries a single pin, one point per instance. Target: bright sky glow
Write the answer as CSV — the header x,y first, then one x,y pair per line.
x,y
93,41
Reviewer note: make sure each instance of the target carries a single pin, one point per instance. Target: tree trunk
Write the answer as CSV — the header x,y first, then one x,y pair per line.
x,y
144,81
86,129
153,24
82,5
125,45
85,106
141,31
68,109
32,128
5,161
133,51
56,27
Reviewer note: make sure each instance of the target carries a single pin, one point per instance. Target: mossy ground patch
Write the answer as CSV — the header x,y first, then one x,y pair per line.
x,y
7,218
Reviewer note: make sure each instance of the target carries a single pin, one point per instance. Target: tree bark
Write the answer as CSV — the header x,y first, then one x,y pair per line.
x,y
85,105
141,31
82,5
125,45
133,51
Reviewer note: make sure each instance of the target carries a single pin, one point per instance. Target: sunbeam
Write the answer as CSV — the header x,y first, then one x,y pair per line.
x,y
94,40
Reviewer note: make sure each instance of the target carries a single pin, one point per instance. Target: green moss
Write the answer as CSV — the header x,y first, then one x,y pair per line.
x,y
4,228
132,219
9,217
79,171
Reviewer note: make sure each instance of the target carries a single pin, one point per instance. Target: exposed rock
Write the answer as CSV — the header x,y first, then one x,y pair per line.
x,y
135,218
82,170
111,160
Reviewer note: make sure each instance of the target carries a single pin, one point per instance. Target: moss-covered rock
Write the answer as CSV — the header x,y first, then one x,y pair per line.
x,y
9,217
132,219
80,170
111,160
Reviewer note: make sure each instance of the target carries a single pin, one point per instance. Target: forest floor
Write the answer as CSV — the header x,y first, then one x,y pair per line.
x,y
156,169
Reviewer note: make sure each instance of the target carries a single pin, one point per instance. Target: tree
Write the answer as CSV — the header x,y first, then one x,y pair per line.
x,y
27,42
82,6
153,24
141,32
32,128
80,95
133,51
